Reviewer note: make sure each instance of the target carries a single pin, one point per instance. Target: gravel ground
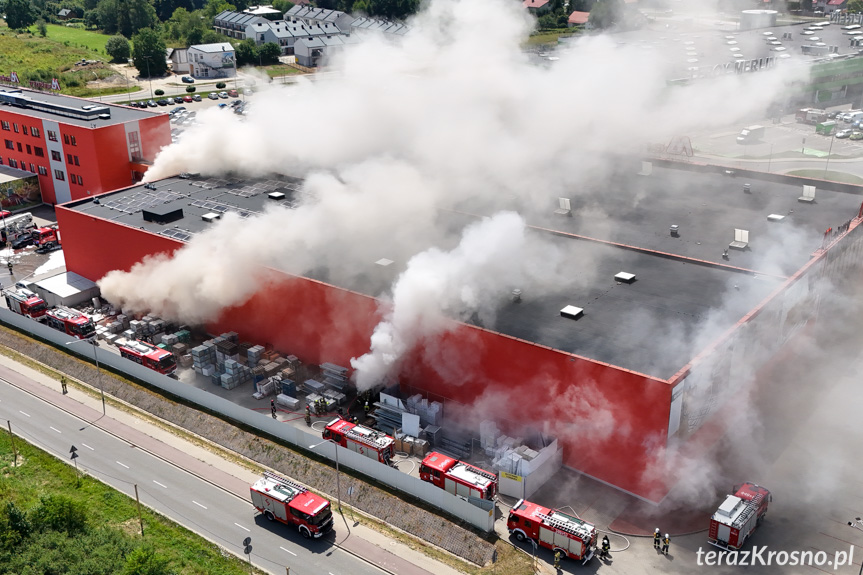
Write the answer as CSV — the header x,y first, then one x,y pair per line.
x,y
374,501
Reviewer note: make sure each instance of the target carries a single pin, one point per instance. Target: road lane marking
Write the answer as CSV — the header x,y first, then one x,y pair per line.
x,y
243,528
88,447
288,551
159,484
123,464
27,414
198,504
55,429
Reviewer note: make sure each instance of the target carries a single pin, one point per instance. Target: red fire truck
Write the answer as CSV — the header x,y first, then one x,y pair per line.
x,y
70,321
457,477
738,516
280,499
552,529
365,441
149,356
25,302
46,239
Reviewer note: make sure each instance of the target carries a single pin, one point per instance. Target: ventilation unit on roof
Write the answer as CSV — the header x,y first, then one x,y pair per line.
x,y
564,209
516,295
808,195
276,195
775,218
104,116
384,262
646,169
625,277
572,312
211,217
741,240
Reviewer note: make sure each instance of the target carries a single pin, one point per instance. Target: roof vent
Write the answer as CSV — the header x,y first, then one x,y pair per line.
x,y
572,312
625,277
384,262
276,195
104,116
516,295
808,195
564,209
211,217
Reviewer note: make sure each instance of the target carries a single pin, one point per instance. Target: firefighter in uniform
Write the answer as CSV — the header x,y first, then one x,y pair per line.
x,y
606,548
63,384
308,416
558,555
367,407
665,543
273,408
656,538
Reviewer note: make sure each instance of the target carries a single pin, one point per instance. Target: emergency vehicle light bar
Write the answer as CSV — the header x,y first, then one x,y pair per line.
x,y
288,482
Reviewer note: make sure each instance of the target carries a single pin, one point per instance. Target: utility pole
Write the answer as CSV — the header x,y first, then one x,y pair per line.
x,y
140,518
12,439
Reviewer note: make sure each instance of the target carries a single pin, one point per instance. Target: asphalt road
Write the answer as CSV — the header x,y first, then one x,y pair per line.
x,y
199,506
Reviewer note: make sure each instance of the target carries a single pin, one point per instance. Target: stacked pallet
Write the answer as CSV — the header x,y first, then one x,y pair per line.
x,y
488,434
235,374
254,355
430,413
335,376
204,359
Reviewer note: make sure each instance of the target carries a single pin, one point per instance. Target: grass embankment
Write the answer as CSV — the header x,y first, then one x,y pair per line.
x,y
829,175
97,529
277,70
548,36
57,56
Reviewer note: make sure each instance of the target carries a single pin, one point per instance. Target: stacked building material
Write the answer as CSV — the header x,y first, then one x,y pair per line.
x,y
286,400
313,386
179,349
335,376
184,336
204,359
488,434
254,355
235,374
336,396
430,413
289,387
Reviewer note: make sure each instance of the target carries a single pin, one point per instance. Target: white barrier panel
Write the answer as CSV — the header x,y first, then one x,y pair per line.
x,y
479,518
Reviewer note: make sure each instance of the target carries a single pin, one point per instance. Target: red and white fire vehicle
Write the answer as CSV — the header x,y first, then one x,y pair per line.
x,y
149,356
738,516
457,477
24,302
552,529
70,321
373,444
46,239
280,499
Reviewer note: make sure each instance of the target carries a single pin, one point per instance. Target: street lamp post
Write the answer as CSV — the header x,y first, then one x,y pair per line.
x,y
95,75
770,159
338,486
857,524
828,155
98,372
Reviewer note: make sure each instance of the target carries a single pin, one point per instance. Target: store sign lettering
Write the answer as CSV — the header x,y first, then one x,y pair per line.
x,y
53,85
11,78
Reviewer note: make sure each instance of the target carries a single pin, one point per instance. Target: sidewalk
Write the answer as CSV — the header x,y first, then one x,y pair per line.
x,y
233,477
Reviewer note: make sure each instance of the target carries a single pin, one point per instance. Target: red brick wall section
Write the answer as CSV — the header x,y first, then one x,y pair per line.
x,y
93,246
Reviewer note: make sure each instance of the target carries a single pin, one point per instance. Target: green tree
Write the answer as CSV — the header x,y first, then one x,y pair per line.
x,y
269,53
283,5
220,86
547,22
606,13
247,52
106,16
212,37
214,7
141,14
392,9
91,19
145,561
41,27
118,48
855,6
15,527
190,89
59,513
19,14
159,92
148,53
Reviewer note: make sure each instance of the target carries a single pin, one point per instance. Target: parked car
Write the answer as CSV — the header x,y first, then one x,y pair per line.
x,y
832,115
843,133
235,103
187,80
223,95
247,91
162,102
196,98
223,105
187,99
232,93
4,213
22,242
179,109
171,101
151,103
856,136
213,96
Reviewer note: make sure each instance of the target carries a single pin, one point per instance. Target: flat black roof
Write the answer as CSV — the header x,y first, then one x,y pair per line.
x,y
68,109
619,225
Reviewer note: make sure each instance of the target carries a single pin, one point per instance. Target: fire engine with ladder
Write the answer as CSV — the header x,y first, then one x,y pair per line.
x,y
24,302
373,444
46,239
457,477
149,356
738,516
552,529
281,499
70,321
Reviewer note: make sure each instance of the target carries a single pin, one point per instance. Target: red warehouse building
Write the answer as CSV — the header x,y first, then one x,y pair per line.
x,y
77,147
628,360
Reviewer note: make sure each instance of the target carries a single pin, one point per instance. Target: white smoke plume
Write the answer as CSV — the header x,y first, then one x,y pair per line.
x,y
437,285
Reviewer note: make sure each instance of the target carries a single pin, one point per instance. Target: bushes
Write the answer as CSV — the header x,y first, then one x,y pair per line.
x,y
118,48
220,86
159,92
190,90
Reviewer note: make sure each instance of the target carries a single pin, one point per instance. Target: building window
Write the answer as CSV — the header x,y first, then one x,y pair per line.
x,y
1,160
35,132
10,144
24,130
5,125
69,140
52,135
29,149
32,168
43,171
69,158
20,147
66,139
15,127
58,174
80,181
76,161
13,163
134,145
55,155
40,153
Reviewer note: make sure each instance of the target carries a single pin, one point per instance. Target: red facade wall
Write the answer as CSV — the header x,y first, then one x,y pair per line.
x,y
608,419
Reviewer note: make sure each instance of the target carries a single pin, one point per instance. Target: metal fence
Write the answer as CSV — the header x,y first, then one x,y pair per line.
x,y
455,506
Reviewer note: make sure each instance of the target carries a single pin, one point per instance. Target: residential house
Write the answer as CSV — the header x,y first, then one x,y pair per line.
x,y
233,24
180,60
311,15
578,19
65,14
267,12
212,60
313,52
537,7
